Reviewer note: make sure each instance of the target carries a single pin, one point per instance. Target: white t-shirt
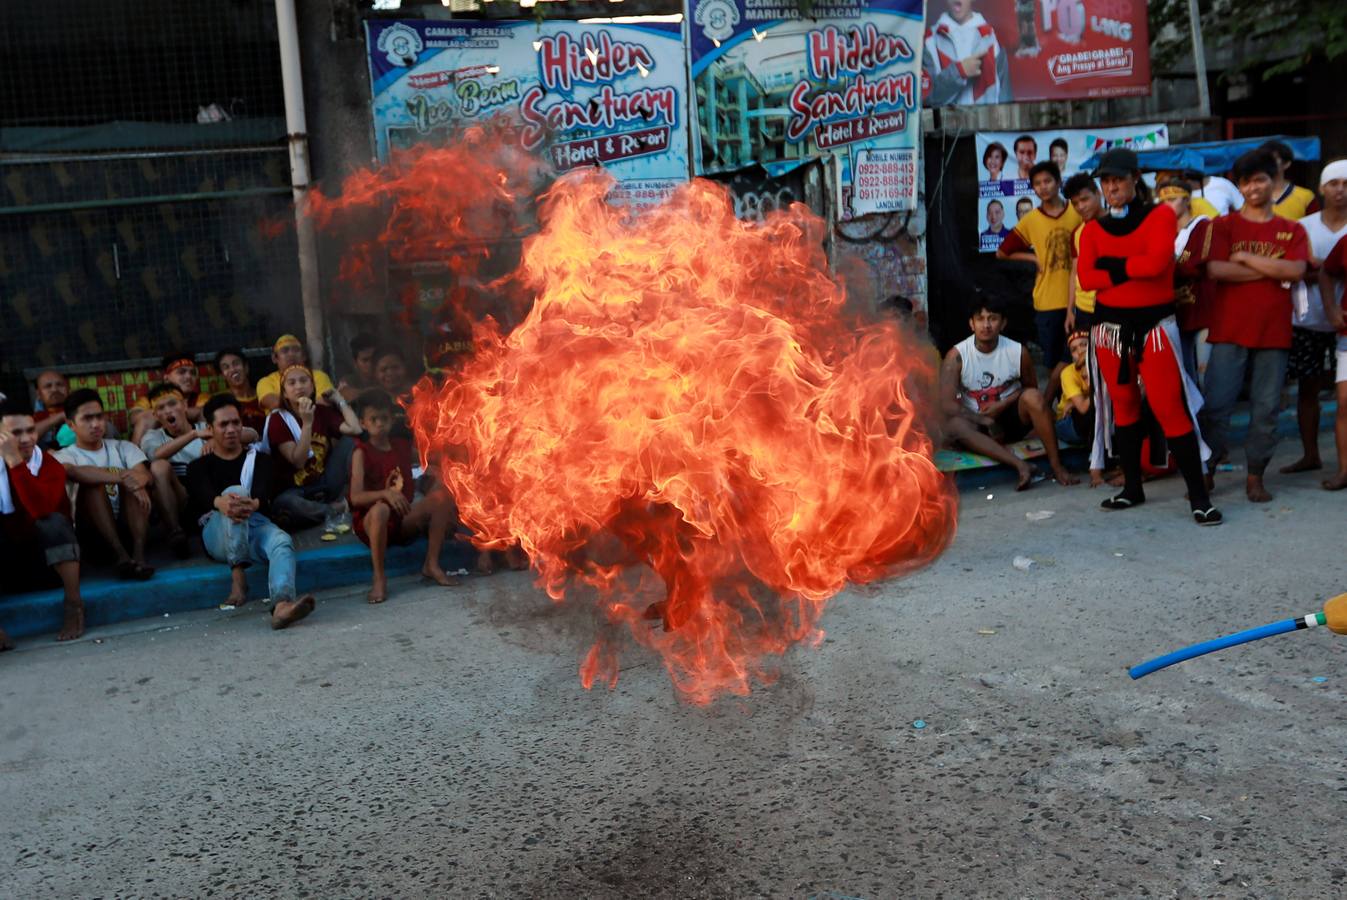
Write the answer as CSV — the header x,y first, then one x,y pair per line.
x,y
114,454
190,453
1222,194
988,377
1307,310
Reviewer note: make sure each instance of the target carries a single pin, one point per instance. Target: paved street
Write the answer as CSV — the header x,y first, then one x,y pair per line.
x,y
441,745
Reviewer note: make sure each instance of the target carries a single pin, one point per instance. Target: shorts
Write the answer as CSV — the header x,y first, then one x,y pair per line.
x,y
1007,427
1311,353
1342,359
395,536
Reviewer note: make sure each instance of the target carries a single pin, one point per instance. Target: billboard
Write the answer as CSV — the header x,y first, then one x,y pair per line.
x,y
1005,158
1008,51
610,95
777,89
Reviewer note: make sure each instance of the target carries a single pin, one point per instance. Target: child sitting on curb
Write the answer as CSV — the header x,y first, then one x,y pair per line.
x,y
1075,407
381,496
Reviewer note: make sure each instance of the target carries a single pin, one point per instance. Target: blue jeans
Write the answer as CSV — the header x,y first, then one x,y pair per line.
x,y
1188,342
1225,378
1052,336
240,544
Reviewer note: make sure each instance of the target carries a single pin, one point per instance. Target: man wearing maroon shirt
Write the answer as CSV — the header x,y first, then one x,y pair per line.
x,y
1256,256
35,527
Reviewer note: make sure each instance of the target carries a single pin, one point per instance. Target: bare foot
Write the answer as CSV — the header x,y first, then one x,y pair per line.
x,y
1336,483
1253,488
1304,464
378,591
1063,477
237,598
1026,475
73,626
485,564
373,597
5,642
288,612
439,576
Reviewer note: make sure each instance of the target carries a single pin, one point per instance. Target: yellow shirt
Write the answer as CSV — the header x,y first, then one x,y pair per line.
x,y
1201,206
1051,242
1084,298
1295,205
1073,385
271,384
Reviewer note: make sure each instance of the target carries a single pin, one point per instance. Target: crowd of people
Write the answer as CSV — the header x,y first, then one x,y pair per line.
x,y
241,471
1155,311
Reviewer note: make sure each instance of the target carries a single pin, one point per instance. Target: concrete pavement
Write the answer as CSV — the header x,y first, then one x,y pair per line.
x,y
441,745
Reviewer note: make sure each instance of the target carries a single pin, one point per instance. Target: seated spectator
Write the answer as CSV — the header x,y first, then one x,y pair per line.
x,y
390,371
233,368
36,532
229,489
989,392
383,499
363,346
1075,407
180,371
288,352
52,389
112,480
313,458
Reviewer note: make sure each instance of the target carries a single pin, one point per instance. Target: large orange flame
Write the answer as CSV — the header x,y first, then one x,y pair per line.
x,y
688,424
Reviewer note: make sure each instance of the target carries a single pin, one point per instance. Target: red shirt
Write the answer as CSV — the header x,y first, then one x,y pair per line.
x,y
1149,251
1193,291
1335,264
35,496
1255,314
326,432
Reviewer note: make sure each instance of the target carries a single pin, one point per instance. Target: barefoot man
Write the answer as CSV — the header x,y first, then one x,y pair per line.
x,y
989,394
229,488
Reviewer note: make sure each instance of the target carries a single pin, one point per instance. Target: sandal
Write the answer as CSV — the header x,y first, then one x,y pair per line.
x,y
1121,501
1208,516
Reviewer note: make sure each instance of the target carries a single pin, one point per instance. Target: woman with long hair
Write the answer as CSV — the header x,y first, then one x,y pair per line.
x,y
1127,257
311,449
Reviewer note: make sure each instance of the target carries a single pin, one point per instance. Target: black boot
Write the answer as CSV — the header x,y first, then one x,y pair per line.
x,y
1189,458
1127,444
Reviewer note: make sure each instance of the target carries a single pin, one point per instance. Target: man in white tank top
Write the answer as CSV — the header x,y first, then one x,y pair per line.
x,y
990,397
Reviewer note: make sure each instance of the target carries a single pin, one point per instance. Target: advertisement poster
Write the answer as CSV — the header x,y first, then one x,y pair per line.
x,y
776,89
580,95
1008,51
1004,159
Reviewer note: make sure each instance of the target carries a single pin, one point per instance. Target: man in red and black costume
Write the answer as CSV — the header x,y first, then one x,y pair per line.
x,y
1127,258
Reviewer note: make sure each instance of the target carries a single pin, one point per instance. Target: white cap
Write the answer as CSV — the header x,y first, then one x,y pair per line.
x,y
1333,171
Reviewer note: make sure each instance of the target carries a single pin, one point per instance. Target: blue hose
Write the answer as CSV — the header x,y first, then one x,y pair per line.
x,y
1220,643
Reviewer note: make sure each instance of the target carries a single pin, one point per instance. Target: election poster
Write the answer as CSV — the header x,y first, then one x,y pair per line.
x,y
1004,159
778,89
1010,51
578,94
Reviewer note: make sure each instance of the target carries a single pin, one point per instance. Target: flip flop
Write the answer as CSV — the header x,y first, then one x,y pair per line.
x,y
1120,502
1209,516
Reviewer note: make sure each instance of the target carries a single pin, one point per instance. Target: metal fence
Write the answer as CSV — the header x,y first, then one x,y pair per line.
x,y
144,182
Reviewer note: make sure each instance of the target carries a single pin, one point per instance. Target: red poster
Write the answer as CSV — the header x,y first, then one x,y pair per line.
x,y
1010,51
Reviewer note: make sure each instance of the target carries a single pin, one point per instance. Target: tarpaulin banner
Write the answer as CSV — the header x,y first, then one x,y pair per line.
x,y
1007,51
611,95
775,88
1005,158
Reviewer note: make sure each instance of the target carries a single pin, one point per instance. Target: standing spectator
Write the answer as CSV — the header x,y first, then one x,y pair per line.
x,y
962,61
1026,155
1192,290
35,528
170,448
230,487
1127,258
1044,238
1222,194
179,370
285,353
1313,337
383,498
52,389
1083,194
312,456
112,480
363,346
233,368
990,397
1331,274
1288,201
1256,256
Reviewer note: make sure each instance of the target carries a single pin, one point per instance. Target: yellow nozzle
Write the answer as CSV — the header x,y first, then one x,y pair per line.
x,y
1335,614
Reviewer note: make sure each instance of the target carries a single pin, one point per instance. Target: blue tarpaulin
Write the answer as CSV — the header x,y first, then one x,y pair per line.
x,y
1212,157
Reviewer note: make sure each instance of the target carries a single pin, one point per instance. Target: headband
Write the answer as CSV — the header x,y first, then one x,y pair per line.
x,y
1085,335
1333,171
173,392
1173,192
303,368
179,363
285,340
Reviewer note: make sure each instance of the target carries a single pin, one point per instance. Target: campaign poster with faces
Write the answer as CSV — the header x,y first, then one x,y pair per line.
x,y
1004,159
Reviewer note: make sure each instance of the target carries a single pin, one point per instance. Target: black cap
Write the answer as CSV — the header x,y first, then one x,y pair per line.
x,y
1118,161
